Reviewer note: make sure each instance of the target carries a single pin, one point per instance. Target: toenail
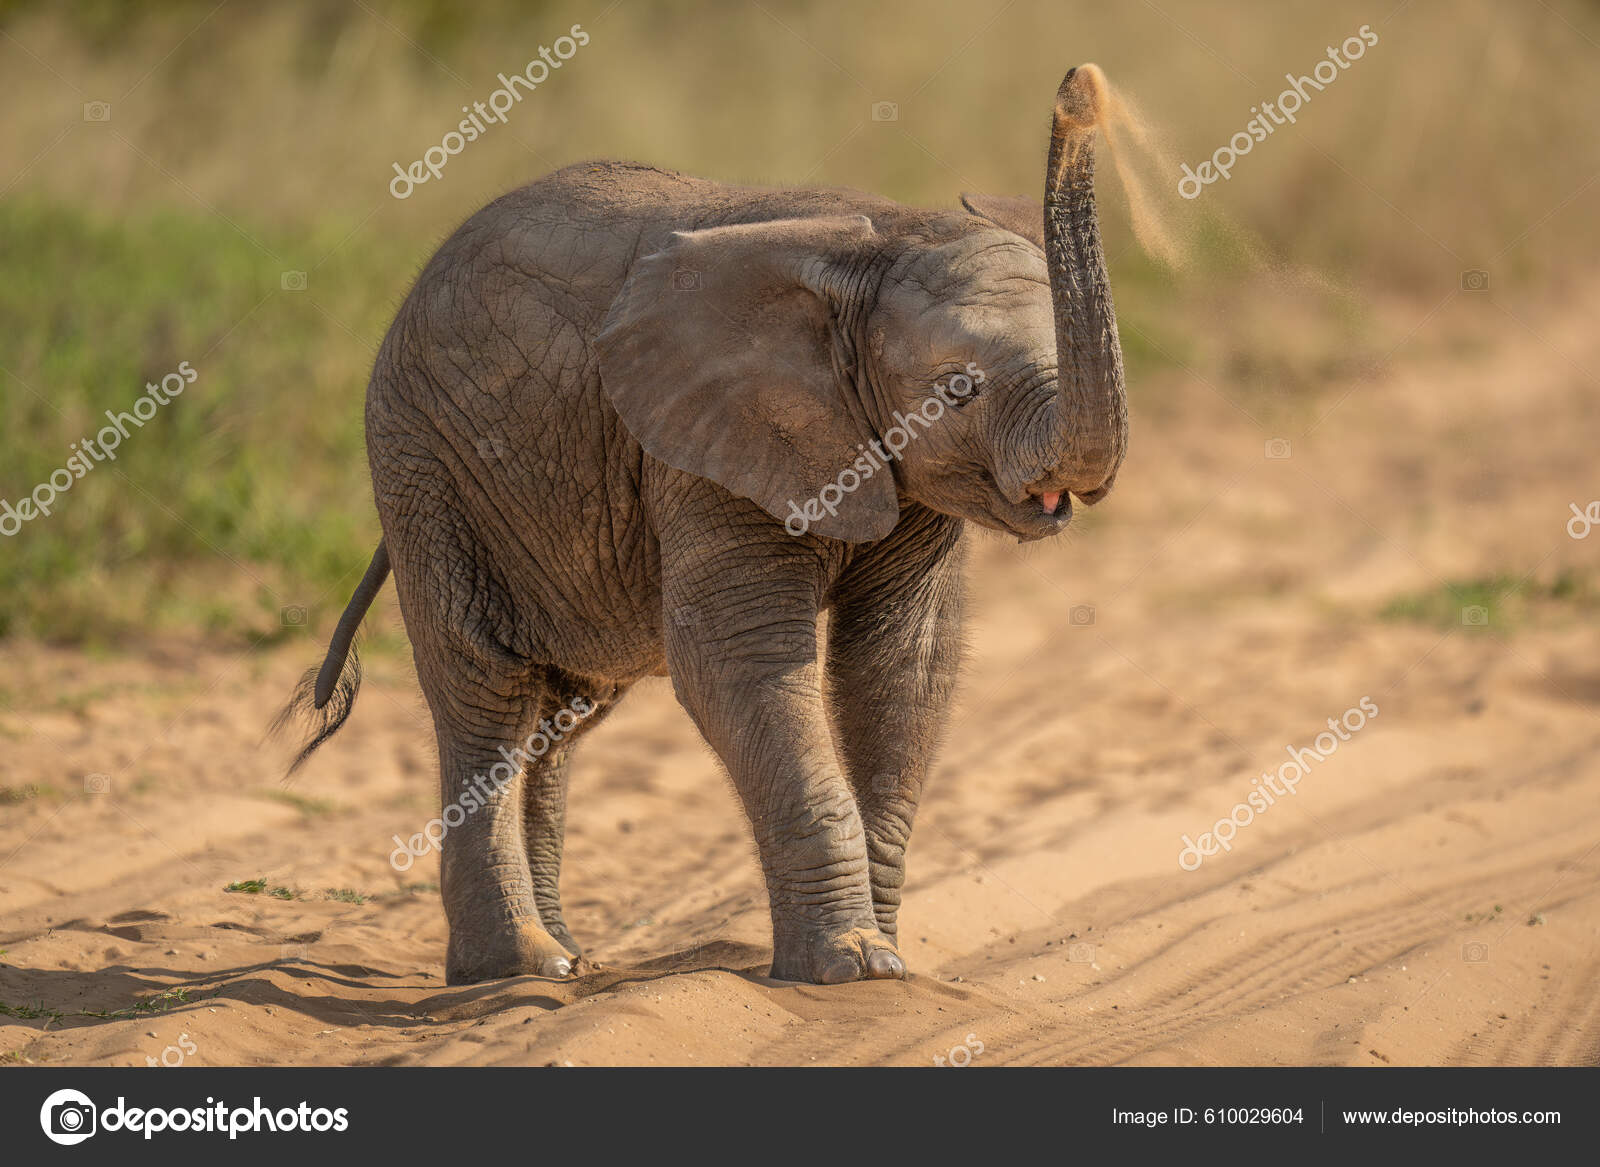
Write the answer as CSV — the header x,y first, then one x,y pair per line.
x,y
884,964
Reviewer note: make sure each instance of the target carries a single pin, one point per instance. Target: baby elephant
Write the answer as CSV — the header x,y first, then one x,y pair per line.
x,y
633,423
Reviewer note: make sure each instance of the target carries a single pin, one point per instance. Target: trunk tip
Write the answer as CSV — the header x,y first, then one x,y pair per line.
x,y
1081,100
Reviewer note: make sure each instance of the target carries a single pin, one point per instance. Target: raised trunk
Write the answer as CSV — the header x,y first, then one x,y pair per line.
x,y
1092,410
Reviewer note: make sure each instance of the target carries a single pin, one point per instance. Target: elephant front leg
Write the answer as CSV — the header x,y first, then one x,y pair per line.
x,y
894,650
745,667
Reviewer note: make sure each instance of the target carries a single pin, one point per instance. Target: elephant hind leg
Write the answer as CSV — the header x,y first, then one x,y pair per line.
x,y
562,720
483,713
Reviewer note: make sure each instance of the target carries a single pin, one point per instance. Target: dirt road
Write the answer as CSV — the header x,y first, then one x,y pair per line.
x,y
1427,894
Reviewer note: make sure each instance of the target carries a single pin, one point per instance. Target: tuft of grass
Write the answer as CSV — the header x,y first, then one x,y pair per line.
x,y
160,1003
30,1012
255,887
1489,602
310,807
345,895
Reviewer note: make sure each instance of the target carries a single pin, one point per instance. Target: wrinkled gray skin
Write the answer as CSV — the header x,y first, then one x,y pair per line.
x,y
585,427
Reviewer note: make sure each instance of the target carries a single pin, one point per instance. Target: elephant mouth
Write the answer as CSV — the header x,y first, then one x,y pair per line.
x,y
1034,517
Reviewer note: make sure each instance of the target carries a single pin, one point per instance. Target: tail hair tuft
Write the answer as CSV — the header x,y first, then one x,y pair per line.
x,y
324,719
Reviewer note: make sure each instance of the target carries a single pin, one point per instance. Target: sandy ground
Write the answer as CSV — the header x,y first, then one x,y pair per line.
x,y
1427,896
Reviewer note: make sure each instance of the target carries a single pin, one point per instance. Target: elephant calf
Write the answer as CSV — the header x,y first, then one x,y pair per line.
x,y
633,423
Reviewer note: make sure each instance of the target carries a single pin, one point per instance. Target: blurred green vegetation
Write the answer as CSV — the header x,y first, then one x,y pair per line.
x,y
256,471
1494,603
242,142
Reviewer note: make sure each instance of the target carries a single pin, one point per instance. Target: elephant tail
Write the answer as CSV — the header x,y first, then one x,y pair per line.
x,y
325,696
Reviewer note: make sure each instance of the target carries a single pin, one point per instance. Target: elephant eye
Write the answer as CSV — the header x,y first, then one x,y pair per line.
x,y
957,386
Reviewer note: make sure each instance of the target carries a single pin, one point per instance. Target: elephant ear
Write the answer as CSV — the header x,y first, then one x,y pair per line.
x,y
1020,216
719,356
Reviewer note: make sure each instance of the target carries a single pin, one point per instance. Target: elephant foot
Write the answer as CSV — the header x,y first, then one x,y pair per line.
x,y
831,958
517,952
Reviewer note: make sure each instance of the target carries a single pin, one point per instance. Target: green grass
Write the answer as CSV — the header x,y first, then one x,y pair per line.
x,y
160,1003
309,807
255,887
345,895
30,1012
245,494
1495,602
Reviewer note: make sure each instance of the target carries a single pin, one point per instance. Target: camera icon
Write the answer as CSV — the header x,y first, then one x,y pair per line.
x,y
97,783
293,616
491,449
97,111
1081,615
684,280
1081,953
1474,281
1277,447
885,111
1475,952
292,281
294,950
68,1117
886,783
1474,615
